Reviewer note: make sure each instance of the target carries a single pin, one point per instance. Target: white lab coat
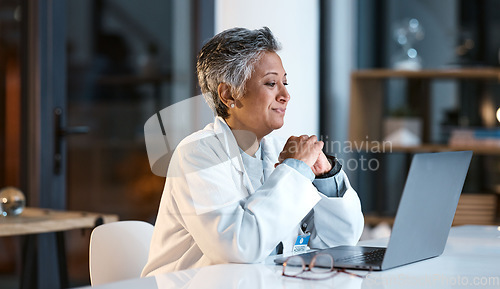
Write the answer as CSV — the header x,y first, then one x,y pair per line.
x,y
210,213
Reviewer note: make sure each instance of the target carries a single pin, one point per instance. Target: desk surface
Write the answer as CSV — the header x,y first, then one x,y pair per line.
x,y
471,260
36,220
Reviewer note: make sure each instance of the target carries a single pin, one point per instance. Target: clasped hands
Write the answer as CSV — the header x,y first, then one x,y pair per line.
x,y
307,149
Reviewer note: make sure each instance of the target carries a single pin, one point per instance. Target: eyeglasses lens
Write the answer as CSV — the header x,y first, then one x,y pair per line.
x,y
322,264
294,266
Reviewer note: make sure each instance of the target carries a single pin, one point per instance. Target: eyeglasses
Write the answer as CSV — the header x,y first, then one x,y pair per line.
x,y
321,265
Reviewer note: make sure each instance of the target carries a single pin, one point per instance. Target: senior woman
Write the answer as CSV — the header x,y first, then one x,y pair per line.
x,y
235,194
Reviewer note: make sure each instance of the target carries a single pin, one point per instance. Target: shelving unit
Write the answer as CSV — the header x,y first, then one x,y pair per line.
x,y
367,97
367,113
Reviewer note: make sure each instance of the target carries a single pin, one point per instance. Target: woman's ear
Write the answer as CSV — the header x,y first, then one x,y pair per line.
x,y
225,94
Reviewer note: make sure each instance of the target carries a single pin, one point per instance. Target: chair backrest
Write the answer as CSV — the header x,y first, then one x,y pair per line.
x,y
119,251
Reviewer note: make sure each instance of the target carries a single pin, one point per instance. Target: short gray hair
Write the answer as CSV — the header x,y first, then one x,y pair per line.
x,y
229,57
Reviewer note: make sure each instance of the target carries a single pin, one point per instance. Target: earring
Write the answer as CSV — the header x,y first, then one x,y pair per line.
x,y
232,105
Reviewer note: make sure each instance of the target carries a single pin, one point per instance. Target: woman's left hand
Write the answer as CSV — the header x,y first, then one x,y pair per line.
x,y
322,165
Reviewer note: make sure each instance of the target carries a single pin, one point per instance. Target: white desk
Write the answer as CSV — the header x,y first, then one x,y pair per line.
x,y
471,260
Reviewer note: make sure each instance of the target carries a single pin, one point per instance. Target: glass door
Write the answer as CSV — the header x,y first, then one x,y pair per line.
x,y
126,60
120,71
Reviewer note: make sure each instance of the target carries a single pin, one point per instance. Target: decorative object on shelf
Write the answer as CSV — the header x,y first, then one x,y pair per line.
x,y
12,201
403,128
407,33
464,48
403,131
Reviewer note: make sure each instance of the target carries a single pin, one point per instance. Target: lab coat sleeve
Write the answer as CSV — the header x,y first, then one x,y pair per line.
x,y
227,223
336,221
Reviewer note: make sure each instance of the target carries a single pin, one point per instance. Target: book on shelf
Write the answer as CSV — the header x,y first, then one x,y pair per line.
x,y
475,136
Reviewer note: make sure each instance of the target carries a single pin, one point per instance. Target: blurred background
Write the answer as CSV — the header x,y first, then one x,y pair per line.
x,y
107,66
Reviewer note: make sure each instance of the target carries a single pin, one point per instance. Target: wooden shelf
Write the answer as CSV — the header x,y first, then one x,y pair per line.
x,y
445,148
458,73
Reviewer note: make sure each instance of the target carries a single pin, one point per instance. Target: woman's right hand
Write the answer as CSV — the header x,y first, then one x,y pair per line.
x,y
304,148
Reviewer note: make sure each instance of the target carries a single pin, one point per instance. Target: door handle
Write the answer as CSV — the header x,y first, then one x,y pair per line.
x,y
60,132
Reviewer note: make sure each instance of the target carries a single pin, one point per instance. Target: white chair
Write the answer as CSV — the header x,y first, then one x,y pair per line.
x,y
119,251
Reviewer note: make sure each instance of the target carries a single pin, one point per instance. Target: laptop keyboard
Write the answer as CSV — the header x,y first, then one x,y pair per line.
x,y
374,256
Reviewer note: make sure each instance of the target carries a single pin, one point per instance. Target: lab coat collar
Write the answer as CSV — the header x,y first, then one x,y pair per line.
x,y
224,134
268,162
227,139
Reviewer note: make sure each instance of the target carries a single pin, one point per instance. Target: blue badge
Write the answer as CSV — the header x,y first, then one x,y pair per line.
x,y
301,243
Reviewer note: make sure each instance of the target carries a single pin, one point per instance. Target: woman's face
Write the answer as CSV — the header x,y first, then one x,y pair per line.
x,y
262,108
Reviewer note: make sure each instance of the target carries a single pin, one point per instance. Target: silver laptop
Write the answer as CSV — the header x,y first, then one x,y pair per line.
x,y
423,219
